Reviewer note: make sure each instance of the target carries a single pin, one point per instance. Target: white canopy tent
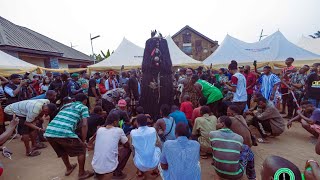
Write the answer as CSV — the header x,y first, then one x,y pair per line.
x,y
179,58
310,44
131,56
127,54
10,65
274,49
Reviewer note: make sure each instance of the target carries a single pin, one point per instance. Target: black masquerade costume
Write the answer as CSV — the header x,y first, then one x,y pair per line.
x,y
157,81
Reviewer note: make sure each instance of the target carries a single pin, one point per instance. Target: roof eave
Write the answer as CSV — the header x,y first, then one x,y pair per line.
x,y
196,32
33,51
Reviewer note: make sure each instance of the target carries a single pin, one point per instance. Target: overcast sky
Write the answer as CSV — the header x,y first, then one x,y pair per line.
x,y
73,20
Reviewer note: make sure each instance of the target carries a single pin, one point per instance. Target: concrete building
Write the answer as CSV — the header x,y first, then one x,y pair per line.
x,y
194,44
38,49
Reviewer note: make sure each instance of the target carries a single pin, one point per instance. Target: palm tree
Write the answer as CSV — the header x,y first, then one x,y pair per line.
x,y
315,35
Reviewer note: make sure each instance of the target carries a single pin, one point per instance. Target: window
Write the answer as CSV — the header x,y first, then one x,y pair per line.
x,y
186,37
198,47
187,48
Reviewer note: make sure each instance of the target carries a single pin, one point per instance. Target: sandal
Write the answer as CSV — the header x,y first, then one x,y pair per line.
x,y
86,175
140,175
260,140
155,173
73,166
34,153
40,146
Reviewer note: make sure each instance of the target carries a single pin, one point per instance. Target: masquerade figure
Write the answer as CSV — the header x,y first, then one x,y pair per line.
x,y
157,82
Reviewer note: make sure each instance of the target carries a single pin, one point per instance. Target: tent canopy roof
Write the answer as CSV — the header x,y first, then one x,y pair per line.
x,y
131,56
127,54
273,48
310,44
9,62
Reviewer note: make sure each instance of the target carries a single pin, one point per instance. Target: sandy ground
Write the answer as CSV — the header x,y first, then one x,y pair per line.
x,y
294,144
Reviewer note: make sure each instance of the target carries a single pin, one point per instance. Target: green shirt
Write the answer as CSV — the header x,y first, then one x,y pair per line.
x,y
65,122
210,92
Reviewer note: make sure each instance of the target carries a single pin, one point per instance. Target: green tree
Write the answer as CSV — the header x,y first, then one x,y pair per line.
x,y
315,35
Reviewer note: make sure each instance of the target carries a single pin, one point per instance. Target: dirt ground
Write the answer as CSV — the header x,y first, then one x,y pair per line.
x,y
294,144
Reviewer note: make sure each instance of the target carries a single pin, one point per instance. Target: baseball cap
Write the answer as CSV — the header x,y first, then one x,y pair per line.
x,y
75,75
15,76
316,115
122,103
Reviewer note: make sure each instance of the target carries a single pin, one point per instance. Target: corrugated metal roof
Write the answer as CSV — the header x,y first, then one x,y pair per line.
x,y
22,37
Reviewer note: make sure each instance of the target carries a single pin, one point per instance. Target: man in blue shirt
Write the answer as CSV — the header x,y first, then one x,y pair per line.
x,y
180,157
178,115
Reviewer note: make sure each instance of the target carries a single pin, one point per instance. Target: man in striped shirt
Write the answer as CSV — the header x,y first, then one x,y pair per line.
x,y
61,135
29,113
269,84
231,158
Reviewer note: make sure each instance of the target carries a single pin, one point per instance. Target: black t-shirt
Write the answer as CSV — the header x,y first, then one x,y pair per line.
x,y
92,83
313,86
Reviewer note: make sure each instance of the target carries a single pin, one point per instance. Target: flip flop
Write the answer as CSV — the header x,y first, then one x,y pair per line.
x,y
40,146
34,153
73,166
86,175
260,140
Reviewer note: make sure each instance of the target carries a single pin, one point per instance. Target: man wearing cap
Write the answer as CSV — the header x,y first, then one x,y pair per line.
x,y
111,82
13,89
93,91
73,86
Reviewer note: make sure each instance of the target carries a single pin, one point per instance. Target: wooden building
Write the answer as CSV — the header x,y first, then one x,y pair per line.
x,y
38,49
194,44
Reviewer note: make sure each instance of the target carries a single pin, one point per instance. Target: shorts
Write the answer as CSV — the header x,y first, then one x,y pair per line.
x,y
22,128
67,146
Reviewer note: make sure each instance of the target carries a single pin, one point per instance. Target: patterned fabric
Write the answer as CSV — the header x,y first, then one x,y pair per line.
x,y
297,78
182,156
247,161
28,108
267,83
286,78
65,122
73,86
84,84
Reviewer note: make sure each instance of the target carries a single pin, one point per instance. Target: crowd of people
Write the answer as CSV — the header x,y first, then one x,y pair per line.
x,y
213,115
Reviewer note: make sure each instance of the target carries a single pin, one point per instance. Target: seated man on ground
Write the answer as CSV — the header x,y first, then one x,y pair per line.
x,y
178,115
196,111
272,164
29,113
165,126
268,120
145,147
95,120
312,124
231,158
180,158
239,124
108,157
201,129
186,107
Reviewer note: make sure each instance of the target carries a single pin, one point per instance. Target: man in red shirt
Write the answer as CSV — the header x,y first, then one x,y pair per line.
x,y
284,77
186,107
196,111
251,79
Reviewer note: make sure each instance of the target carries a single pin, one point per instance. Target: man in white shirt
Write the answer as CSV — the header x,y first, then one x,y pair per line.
x,y
238,87
29,112
108,156
145,145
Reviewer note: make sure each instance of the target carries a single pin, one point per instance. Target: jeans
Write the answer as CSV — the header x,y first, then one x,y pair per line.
x,y
247,161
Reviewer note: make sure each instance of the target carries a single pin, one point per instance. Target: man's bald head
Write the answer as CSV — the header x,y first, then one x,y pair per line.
x,y
273,163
